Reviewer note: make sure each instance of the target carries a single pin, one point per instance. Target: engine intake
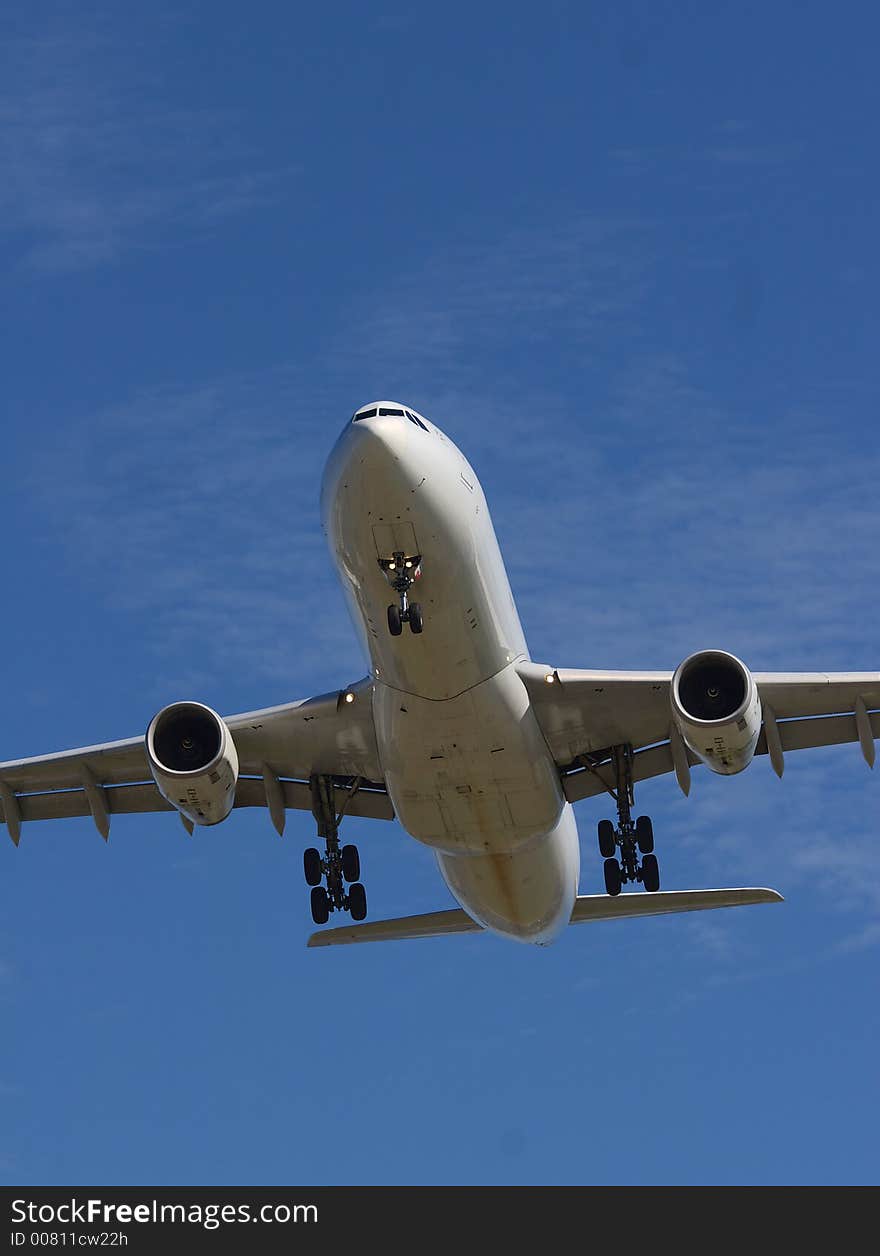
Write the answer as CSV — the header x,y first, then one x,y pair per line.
x,y
193,761
717,710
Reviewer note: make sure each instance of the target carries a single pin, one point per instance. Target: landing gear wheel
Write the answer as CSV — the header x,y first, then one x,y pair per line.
x,y
395,627
645,834
357,901
628,846
607,842
415,617
340,864
312,866
612,876
650,874
351,863
320,905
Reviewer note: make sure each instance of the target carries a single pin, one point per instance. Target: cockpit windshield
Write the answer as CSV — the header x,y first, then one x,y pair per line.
x,y
389,412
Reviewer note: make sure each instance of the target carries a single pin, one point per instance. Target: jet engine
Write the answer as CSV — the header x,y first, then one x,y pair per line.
x,y
194,761
717,709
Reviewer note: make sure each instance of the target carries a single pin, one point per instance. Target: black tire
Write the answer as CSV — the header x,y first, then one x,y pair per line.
x,y
415,617
612,877
320,905
607,844
357,901
650,874
395,627
351,863
645,834
312,866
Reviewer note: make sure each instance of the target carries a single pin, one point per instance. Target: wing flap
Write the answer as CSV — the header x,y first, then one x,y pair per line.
x,y
368,802
120,799
806,734
793,695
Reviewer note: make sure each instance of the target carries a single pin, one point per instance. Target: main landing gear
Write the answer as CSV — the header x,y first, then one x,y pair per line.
x,y
631,838
401,571
338,865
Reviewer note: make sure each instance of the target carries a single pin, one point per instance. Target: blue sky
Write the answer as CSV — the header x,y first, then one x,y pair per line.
x,y
626,255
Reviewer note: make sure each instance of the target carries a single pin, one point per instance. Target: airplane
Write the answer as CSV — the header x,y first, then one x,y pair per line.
x,y
478,751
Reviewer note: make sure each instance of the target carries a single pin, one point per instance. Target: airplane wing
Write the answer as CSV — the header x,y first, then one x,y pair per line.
x,y
280,746
437,924
584,713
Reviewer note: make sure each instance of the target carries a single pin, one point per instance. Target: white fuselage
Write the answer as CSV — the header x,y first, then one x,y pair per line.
x,y
464,760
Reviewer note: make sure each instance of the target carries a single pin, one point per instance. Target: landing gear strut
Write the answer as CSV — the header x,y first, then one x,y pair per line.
x,y
401,571
338,865
630,838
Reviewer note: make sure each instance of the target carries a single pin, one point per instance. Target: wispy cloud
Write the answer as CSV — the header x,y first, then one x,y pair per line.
x,y
215,488
681,521
732,142
95,159
198,512
860,939
801,830
569,283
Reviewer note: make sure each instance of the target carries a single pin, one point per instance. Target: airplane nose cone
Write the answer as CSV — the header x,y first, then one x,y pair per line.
x,y
382,448
376,463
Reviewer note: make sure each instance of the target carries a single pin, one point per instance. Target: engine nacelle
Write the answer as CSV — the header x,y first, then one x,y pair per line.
x,y
717,709
194,761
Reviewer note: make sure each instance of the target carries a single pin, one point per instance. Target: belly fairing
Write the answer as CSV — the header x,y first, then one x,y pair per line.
x,y
471,774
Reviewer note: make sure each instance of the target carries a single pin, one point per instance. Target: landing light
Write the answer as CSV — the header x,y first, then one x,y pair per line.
x,y
349,697
392,567
409,564
550,679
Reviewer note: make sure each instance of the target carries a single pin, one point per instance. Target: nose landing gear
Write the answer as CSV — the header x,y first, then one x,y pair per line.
x,y
401,571
631,838
337,866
